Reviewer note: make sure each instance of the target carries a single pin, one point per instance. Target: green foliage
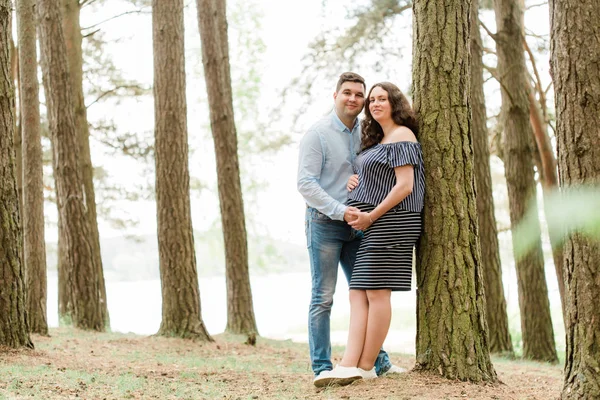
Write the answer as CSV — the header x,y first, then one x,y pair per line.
x,y
573,209
247,52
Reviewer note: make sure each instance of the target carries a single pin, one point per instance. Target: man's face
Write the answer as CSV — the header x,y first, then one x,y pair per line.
x,y
350,99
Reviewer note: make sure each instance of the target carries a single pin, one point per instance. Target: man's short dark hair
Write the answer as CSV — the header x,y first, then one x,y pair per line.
x,y
350,77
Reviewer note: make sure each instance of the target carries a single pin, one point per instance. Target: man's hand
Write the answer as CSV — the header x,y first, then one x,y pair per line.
x,y
352,182
361,221
349,214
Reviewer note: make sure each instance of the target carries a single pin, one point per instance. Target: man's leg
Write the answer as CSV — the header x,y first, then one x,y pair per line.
x,y
324,247
349,250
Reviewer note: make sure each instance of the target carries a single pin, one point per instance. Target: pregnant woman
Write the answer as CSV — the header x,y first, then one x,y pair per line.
x,y
388,190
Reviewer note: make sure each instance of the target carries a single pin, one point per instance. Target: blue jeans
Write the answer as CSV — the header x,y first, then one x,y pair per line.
x,y
330,243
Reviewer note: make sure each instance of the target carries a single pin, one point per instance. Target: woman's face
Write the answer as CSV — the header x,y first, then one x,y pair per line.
x,y
379,104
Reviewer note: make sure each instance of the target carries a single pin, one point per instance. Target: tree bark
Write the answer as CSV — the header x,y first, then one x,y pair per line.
x,y
548,173
80,265
180,293
536,322
17,142
451,321
14,324
73,38
33,188
212,22
574,57
549,179
497,318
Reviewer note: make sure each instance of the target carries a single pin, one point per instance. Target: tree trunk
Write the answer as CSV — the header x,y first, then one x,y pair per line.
x,y
73,39
33,188
497,317
536,322
212,22
451,322
17,142
574,55
14,324
548,174
80,265
180,293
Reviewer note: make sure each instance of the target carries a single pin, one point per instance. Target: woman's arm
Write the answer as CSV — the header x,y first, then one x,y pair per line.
x,y
405,178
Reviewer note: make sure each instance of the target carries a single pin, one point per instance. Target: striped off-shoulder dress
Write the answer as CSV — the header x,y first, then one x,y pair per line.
x,y
384,259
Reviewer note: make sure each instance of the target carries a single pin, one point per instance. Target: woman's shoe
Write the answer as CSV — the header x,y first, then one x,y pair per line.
x,y
338,376
370,374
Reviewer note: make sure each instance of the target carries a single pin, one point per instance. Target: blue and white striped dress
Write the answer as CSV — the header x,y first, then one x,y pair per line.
x,y
384,259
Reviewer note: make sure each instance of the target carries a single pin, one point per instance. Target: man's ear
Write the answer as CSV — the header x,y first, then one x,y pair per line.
x,y
335,95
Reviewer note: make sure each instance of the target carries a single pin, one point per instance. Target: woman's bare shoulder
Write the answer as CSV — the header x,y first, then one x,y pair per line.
x,y
402,134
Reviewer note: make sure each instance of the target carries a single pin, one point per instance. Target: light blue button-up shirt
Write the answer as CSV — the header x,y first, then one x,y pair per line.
x,y
327,152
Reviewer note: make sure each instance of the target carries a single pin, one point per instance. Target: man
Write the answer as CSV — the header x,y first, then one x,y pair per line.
x,y
327,152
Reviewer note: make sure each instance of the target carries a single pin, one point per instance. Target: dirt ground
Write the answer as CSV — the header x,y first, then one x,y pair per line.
x,y
80,365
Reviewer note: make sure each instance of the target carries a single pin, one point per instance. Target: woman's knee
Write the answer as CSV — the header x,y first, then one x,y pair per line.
x,y
357,296
378,295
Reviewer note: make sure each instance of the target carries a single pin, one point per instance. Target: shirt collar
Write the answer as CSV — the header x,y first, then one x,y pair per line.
x,y
340,125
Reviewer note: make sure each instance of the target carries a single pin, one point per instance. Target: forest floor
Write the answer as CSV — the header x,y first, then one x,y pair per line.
x,y
72,364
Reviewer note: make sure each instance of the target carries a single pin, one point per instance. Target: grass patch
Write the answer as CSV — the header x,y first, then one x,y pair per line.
x,y
112,366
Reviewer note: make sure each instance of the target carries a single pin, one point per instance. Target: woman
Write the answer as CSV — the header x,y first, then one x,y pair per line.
x,y
388,190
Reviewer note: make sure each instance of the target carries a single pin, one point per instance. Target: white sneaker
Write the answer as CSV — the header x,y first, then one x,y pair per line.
x,y
370,374
338,376
394,369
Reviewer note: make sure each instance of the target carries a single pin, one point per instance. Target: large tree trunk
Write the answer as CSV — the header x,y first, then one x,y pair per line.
x,y
14,326
179,277
33,186
451,321
79,263
73,39
212,21
575,52
497,317
536,322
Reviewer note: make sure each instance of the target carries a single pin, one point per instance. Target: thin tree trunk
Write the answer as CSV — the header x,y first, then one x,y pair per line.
x,y
80,265
452,335
497,317
549,186
179,278
73,39
574,57
33,189
14,324
212,22
536,322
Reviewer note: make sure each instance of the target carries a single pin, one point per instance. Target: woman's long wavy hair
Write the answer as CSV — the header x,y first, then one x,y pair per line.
x,y
402,114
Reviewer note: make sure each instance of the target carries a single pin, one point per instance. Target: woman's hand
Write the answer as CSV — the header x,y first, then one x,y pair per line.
x,y
362,220
352,182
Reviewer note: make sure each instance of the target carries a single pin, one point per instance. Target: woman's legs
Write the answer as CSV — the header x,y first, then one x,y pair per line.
x,y
359,309
377,326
